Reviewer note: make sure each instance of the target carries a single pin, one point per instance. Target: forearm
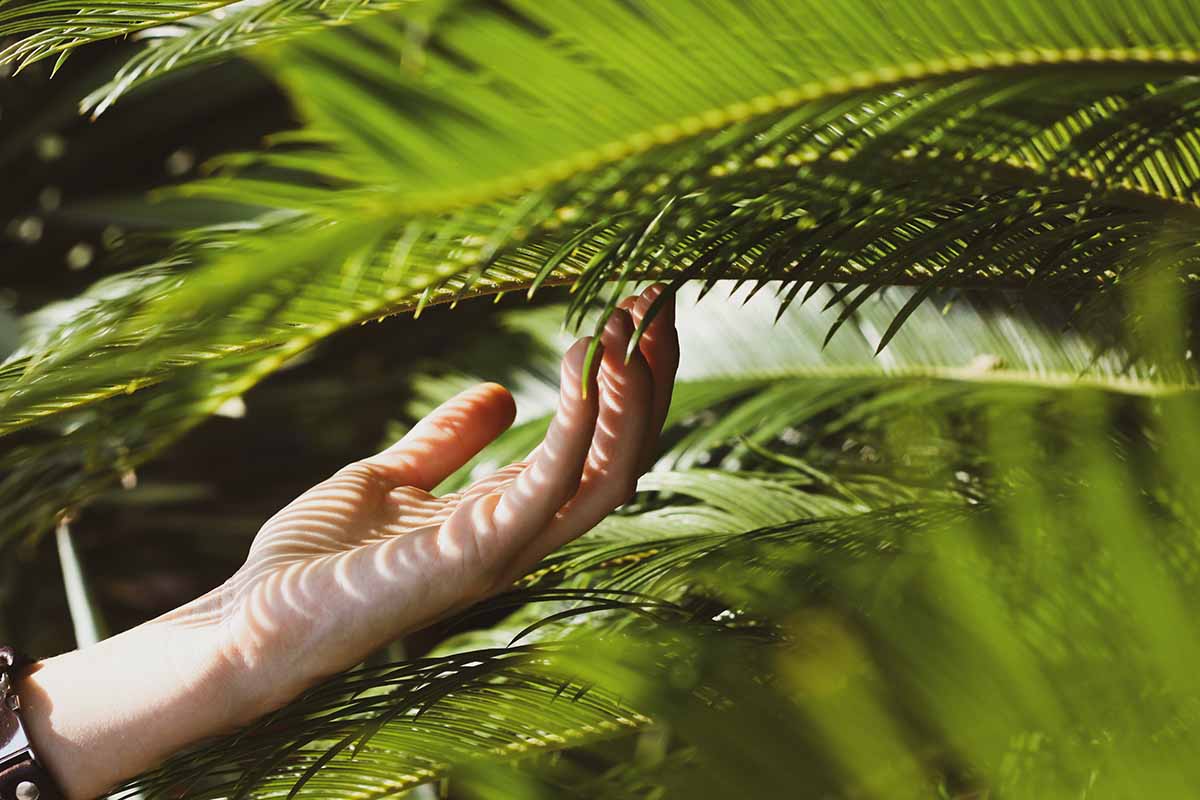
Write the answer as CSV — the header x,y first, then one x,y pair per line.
x,y
101,715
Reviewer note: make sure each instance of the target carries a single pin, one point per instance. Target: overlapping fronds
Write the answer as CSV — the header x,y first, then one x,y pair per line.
x,y
813,152
591,145
729,612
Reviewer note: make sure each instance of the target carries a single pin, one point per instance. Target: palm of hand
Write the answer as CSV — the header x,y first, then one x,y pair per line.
x,y
370,553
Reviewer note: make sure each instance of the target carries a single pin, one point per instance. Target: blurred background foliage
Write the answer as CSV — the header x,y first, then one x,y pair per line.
x,y
924,521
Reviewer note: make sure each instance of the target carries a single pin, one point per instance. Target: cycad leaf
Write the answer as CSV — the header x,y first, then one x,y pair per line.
x,y
52,28
870,178
418,716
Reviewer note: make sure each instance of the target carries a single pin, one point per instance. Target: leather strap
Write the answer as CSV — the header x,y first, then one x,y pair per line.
x,y
22,776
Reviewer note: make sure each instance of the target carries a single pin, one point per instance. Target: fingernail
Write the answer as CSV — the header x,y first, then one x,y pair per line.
x,y
652,292
666,310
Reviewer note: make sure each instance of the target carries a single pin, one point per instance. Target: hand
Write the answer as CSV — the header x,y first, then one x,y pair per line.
x,y
370,554
359,560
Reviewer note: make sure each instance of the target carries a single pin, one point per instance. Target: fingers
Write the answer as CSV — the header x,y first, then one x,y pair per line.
x,y
448,437
659,344
614,459
555,468
598,444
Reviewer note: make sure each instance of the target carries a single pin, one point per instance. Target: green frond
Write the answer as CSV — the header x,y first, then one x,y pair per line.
x,y
982,648
714,575
180,34
410,187
52,28
654,74
385,729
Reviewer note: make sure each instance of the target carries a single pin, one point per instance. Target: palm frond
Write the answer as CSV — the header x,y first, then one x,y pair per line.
x,y
811,608
953,639
409,189
396,726
730,63
181,33
46,29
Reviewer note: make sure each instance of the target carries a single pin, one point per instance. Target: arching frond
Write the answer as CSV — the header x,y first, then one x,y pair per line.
x,y
197,30
408,188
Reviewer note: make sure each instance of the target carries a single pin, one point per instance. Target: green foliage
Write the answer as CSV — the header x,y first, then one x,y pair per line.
x,y
933,542
824,548
726,142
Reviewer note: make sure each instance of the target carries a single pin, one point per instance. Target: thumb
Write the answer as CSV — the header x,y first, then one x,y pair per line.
x,y
450,436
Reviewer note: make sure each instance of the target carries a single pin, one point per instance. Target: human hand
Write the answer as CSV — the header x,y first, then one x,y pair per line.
x,y
370,553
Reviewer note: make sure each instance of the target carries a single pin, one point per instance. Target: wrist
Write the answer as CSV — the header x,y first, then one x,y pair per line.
x,y
104,714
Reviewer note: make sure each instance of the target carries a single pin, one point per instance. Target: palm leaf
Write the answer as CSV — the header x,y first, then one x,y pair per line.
x,y
700,560
406,189
52,28
396,726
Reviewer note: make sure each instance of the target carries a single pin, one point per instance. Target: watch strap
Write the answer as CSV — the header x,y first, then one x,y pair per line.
x,y
22,775
28,780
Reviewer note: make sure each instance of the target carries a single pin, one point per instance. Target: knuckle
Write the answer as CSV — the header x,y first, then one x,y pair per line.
x,y
357,469
364,474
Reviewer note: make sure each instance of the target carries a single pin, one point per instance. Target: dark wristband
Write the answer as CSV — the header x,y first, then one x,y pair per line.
x,y
22,775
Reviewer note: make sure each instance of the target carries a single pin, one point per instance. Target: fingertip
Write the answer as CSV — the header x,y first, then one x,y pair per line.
x,y
499,400
574,362
448,436
649,297
617,332
576,355
619,324
651,292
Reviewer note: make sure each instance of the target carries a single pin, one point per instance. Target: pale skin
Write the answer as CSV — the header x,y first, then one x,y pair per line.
x,y
359,560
